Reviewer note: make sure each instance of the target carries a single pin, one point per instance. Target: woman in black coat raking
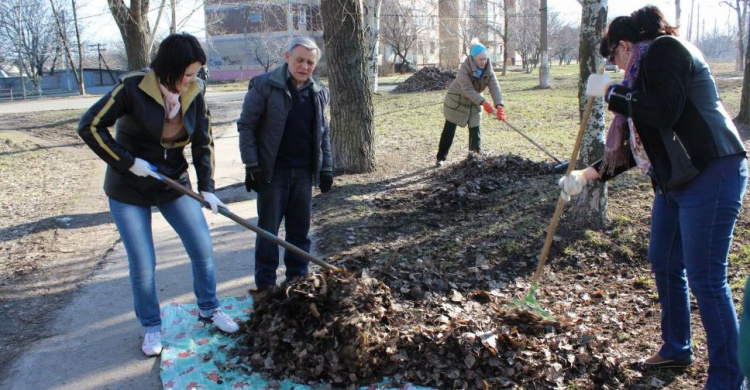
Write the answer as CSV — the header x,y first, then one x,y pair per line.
x,y
157,114
670,123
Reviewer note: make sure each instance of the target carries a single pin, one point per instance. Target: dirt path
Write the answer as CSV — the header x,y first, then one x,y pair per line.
x,y
54,229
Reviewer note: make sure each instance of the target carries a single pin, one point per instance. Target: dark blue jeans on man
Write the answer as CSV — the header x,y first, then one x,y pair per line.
x,y
289,197
691,232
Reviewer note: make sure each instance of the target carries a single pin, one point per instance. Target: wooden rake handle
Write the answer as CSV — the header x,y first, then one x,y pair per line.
x,y
560,201
263,233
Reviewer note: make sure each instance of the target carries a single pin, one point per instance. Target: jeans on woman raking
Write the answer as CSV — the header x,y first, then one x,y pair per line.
x,y
691,231
289,197
186,217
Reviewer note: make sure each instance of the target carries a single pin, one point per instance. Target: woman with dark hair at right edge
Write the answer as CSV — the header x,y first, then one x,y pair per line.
x,y
670,123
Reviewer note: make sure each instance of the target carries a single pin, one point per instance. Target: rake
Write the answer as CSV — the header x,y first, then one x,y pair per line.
x,y
529,301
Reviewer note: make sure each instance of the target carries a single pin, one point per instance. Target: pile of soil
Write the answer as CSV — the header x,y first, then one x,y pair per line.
x,y
429,78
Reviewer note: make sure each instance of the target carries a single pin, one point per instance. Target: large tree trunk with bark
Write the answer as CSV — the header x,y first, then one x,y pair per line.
x,y
352,113
590,207
449,32
135,31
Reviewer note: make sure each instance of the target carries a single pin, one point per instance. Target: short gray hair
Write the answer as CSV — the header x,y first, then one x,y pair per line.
x,y
305,42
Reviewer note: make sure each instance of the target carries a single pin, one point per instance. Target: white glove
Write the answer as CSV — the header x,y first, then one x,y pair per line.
x,y
143,168
597,85
213,201
572,184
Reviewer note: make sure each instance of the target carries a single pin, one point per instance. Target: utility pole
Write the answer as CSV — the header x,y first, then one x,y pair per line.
x,y
99,51
99,54
544,66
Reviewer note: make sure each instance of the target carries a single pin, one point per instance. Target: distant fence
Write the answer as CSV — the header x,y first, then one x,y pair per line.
x,y
59,83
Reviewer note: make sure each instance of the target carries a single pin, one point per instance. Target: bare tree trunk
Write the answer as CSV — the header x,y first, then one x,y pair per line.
x,y
156,25
544,57
81,84
677,12
511,9
66,46
173,26
20,56
352,112
743,118
450,51
741,9
372,27
135,31
590,207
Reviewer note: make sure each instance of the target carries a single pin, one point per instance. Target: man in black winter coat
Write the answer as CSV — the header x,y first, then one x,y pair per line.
x,y
286,148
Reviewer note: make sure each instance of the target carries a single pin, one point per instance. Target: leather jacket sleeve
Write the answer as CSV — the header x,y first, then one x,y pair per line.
x,y
203,147
93,128
249,123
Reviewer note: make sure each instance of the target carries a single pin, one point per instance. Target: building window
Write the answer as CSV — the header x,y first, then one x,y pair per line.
x,y
255,17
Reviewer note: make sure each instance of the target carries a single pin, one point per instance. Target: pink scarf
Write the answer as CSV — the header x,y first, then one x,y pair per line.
x,y
622,130
171,101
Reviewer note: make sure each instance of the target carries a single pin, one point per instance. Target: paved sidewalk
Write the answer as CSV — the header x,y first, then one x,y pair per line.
x,y
96,342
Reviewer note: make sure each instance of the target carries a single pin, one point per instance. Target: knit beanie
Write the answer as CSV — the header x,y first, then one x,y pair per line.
x,y
477,47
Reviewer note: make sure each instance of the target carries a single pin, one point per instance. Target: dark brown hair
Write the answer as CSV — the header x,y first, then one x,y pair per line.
x,y
643,24
176,53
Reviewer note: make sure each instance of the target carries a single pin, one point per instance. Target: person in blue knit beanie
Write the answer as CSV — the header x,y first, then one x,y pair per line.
x,y
462,103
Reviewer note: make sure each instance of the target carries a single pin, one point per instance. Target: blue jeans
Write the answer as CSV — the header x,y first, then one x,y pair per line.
x,y
691,231
186,217
287,196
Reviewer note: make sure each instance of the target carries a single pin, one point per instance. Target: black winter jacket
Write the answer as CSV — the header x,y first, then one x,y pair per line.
x,y
677,112
136,107
261,125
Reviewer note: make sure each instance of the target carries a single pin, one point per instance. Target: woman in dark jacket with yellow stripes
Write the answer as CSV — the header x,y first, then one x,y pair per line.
x,y
157,113
670,123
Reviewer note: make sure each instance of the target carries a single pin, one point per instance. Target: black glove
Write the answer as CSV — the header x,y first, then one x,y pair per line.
x,y
326,181
253,179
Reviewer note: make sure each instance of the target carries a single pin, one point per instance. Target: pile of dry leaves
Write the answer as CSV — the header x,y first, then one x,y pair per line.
x,y
345,330
429,78
438,257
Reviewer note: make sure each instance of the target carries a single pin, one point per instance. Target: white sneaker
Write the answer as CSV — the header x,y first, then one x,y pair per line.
x,y
151,344
222,321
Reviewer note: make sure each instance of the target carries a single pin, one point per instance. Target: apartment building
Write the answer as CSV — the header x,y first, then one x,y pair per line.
x,y
246,38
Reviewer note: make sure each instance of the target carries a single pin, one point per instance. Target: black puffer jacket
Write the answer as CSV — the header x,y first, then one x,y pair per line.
x,y
677,112
136,107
